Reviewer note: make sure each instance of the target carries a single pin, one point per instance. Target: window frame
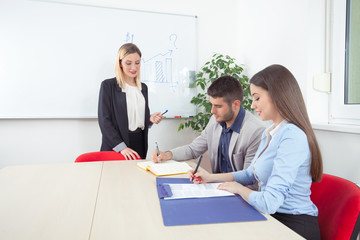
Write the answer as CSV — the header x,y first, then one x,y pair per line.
x,y
340,113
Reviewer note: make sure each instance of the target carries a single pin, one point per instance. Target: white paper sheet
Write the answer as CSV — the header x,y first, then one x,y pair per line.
x,y
196,191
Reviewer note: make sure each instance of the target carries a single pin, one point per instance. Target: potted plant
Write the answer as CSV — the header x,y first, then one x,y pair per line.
x,y
218,66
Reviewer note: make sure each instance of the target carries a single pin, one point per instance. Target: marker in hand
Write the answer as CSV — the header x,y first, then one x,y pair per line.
x,y
197,166
164,112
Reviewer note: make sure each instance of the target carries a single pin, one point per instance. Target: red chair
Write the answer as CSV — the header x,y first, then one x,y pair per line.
x,y
100,156
338,201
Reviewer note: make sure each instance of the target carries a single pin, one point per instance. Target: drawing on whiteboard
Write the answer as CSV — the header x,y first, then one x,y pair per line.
x,y
159,71
129,38
173,38
159,68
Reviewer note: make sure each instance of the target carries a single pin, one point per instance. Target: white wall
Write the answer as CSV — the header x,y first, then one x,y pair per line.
x,y
341,153
257,33
273,32
62,140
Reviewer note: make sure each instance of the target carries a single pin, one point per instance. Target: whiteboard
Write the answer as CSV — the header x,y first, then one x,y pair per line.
x,y
54,56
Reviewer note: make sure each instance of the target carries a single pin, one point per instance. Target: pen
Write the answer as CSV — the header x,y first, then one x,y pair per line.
x,y
157,149
197,166
164,112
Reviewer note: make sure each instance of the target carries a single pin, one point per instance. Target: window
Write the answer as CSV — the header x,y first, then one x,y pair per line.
x,y
344,58
352,42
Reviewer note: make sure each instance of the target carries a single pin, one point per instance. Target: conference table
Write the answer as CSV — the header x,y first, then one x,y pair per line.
x,y
102,200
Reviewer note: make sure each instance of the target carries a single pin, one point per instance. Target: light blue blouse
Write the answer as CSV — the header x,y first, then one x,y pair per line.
x,y
283,170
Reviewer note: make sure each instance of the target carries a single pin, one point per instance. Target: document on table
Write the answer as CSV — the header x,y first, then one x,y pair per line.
x,y
196,191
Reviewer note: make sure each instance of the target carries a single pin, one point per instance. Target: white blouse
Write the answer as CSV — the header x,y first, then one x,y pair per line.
x,y
135,103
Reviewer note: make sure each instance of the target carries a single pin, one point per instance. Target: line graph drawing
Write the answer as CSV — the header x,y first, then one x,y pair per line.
x,y
172,47
169,52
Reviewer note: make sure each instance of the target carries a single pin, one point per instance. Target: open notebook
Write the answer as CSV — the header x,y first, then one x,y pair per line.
x,y
170,167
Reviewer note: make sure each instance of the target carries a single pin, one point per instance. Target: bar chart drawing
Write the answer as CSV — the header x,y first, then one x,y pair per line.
x,y
158,68
168,69
159,71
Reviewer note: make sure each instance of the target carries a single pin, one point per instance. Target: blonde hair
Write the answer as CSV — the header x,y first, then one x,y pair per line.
x,y
124,50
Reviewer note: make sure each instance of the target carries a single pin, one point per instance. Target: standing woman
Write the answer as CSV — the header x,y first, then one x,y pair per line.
x,y
288,159
123,112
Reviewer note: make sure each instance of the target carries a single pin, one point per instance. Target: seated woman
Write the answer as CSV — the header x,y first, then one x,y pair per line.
x,y
288,159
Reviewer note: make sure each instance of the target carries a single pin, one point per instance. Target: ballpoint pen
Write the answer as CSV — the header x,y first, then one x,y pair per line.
x,y
157,149
197,166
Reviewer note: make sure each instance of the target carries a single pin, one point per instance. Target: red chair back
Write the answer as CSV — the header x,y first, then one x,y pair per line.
x,y
338,201
100,156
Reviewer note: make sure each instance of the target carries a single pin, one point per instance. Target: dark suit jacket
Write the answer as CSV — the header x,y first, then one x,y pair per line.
x,y
112,115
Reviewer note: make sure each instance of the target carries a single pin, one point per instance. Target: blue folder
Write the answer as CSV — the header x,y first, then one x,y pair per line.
x,y
190,211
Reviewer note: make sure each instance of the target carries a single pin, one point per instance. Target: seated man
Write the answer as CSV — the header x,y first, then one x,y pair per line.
x,y
232,135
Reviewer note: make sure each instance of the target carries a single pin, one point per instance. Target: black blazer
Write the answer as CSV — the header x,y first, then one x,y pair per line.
x,y
112,115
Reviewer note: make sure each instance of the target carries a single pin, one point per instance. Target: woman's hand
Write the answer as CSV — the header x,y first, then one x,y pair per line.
x,y
236,188
129,154
156,117
200,176
232,187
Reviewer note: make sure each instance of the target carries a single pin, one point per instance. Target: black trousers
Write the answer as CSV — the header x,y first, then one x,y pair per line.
x,y
137,142
305,225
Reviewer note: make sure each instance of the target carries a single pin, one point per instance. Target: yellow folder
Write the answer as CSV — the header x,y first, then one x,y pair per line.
x,y
170,167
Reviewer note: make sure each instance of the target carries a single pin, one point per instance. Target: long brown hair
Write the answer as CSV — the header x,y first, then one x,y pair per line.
x,y
124,50
288,100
